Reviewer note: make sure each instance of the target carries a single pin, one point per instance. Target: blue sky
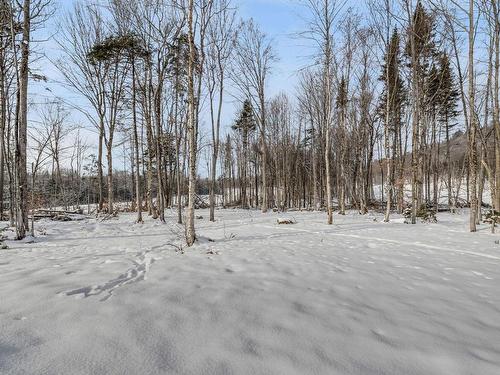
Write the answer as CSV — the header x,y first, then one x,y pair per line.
x,y
279,19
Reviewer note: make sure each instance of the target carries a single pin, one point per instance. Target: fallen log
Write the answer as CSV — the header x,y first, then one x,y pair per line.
x,y
286,221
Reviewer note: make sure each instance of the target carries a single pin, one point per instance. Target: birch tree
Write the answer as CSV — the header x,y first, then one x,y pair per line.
x,y
320,32
254,59
221,41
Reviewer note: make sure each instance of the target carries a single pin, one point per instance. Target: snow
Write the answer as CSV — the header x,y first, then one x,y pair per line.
x,y
252,297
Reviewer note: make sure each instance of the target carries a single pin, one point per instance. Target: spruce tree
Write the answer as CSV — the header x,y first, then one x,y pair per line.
x,y
394,92
420,50
391,109
447,101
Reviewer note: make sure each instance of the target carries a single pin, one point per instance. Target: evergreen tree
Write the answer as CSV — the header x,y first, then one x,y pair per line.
x,y
447,101
448,95
433,84
178,55
420,50
423,32
394,92
341,100
391,109
121,50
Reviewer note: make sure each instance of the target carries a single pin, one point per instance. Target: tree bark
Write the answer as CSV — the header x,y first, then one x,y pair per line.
x,y
136,147
22,176
473,124
192,133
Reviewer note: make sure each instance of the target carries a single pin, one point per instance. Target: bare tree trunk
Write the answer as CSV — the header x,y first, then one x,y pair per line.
x,y
473,124
33,180
215,153
243,187
213,178
415,128
149,137
136,147
327,174
160,203
481,178
496,105
3,122
192,133
265,202
328,110
110,178
22,176
178,172
387,129
448,166
100,179
314,168
435,166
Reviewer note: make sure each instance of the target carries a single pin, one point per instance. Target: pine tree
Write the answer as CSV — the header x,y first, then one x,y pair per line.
x,y
420,50
391,109
127,48
447,100
422,35
394,92
178,55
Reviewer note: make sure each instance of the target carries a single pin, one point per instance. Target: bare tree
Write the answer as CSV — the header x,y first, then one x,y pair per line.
x,y
254,59
192,128
320,31
472,122
221,38
22,123
83,28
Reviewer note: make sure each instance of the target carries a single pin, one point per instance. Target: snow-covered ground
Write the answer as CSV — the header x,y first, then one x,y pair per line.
x,y
253,297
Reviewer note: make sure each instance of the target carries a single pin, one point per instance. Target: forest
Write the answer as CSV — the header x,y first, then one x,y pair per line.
x,y
395,109
216,187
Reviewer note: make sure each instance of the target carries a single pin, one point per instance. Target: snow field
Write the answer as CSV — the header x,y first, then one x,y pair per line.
x,y
252,297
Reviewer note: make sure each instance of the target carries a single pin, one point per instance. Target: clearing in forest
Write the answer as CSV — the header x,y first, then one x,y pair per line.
x,y
252,297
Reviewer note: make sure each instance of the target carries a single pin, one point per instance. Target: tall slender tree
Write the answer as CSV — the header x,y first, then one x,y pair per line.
x,y
447,101
391,108
245,124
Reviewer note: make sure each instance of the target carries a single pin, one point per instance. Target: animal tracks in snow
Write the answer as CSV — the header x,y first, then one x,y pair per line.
x,y
386,240
419,299
136,273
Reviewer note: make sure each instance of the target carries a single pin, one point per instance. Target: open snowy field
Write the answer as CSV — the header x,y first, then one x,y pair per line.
x,y
253,297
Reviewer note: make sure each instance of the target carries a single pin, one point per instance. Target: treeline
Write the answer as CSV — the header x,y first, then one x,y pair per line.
x,y
373,117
